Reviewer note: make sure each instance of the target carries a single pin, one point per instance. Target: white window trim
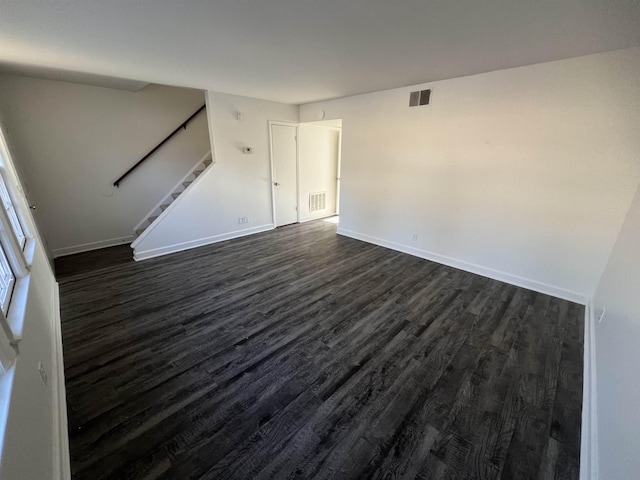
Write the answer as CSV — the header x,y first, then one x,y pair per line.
x,y
13,322
8,355
14,319
12,248
20,259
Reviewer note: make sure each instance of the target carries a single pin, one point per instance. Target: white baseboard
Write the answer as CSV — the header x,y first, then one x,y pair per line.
x,y
317,217
589,429
61,459
179,247
87,247
470,267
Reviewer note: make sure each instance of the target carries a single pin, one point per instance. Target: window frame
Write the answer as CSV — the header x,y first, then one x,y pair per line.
x,y
9,209
19,257
6,301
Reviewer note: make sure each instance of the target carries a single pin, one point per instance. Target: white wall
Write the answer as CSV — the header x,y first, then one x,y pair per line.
x,y
36,429
238,185
318,152
524,174
617,354
73,141
29,446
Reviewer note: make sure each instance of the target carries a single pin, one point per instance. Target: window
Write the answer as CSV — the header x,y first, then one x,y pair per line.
x,y
16,253
13,264
7,280
7,204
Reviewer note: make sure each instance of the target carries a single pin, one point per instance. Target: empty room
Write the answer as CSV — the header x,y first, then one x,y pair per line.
x,y
319,240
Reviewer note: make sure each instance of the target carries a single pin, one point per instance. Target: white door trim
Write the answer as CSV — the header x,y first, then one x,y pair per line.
x,y
589,427
273,193
339,172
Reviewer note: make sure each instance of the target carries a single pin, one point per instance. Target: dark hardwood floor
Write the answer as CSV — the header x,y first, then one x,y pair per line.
x,y
93,261
298,353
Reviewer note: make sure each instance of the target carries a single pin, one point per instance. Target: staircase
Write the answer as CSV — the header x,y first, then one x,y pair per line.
x,y
158,211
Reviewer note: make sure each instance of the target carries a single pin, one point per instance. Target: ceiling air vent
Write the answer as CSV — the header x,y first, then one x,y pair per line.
x,y
419,98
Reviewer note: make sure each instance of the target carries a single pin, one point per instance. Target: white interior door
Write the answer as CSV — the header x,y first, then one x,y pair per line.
x,y
285,173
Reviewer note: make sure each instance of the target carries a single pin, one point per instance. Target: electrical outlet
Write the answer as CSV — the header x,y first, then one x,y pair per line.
x,y
246,219
414,236
602,312
43,373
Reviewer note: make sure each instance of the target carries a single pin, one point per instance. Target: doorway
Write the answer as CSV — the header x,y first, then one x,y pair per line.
x,y
319,158
284,172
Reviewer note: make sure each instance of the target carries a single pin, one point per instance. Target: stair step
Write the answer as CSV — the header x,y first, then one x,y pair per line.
x,y
195,174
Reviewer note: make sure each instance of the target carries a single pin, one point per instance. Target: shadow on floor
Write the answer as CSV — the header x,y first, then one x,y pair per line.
x,y
95,260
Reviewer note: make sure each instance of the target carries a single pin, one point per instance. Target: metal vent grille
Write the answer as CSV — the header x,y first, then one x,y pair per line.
x,y
419,98
317,201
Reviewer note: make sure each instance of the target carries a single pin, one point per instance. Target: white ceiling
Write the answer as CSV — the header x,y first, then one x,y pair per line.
x,y
298,51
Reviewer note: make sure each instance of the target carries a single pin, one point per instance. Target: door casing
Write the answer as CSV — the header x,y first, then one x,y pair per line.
x,y
273,193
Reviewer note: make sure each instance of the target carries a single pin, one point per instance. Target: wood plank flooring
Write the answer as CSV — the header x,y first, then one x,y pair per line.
x,y
299,353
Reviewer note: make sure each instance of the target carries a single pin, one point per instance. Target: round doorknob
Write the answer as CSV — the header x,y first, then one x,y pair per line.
x,y
276,184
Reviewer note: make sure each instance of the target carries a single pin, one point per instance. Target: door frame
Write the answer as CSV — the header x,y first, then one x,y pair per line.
x,y
273,193
339,171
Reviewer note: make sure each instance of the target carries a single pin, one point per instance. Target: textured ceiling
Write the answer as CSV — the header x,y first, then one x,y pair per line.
x,y
297,51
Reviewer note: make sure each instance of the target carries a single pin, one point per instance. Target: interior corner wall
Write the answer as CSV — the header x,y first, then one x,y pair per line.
x,y
318,152
73,141
238,184
523,175
617,339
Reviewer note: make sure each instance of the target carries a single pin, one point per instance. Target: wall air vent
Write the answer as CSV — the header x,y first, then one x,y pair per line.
x,y
419,98
317,201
